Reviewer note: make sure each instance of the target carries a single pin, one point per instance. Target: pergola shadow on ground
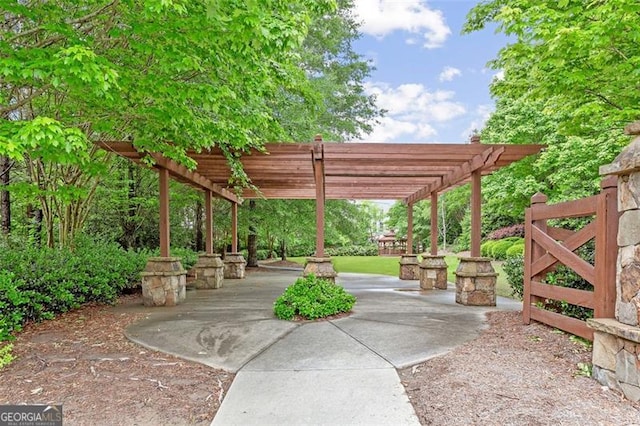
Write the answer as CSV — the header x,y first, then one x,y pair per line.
x,y
320,171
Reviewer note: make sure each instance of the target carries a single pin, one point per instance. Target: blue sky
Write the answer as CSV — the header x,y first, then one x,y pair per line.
x,y
433,81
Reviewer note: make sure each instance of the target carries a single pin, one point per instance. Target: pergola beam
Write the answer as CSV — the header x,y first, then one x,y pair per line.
x,y
486,159
408,172
194,178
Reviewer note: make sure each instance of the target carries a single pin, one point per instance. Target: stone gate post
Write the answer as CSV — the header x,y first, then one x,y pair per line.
x,y
616,345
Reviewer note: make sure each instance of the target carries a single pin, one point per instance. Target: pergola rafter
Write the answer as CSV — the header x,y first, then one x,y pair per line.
x,y
356,171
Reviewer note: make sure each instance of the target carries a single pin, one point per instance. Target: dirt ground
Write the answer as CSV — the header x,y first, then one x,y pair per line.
x,y
83,360
514,374
511,374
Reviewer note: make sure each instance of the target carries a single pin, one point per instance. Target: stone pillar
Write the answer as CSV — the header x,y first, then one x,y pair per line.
x,y
234,264
163,282
321,267
476,282
209,271
433,272
409,267
616,345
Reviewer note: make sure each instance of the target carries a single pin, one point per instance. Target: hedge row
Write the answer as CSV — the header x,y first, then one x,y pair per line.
x,y
36,284
502,249
368,250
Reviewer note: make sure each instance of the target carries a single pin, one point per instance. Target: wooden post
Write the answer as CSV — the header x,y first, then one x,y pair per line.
x,y
476,206
164,211
532,252
606,249
318,168
409,228
208,227
434,223
234,227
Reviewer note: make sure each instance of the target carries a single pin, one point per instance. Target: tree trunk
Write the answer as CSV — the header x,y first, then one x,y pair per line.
x,y
5,198
128,239
283,249
252,239
34,218
199,243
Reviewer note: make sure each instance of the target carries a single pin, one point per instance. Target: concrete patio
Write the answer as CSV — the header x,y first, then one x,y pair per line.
x,y
332,372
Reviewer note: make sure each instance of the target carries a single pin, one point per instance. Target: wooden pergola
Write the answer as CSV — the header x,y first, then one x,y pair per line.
x,y
323,170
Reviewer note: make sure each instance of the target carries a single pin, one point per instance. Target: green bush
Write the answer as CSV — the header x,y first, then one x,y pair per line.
x,y
487,247
188,257
36,284
513,267
312,298
561,276
499,249
5,355
368,250
516,250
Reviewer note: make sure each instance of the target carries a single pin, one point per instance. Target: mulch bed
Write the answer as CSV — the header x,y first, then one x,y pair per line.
x,y
83,360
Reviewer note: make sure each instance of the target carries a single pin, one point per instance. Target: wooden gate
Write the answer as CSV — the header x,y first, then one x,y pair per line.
x,y
546,247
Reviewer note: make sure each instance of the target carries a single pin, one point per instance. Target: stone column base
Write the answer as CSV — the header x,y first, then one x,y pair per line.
x,y
616,356
409,268
163,282
209,271
433,272
321,267
234,265
476,282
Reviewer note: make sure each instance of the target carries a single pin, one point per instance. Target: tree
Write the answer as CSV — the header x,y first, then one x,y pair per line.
x,y
579,56
147,71
570,82
5,197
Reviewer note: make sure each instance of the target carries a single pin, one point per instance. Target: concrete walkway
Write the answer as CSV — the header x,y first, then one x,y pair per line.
x,y
339,372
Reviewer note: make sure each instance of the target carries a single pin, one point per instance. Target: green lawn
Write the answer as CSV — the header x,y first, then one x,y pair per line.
x,y
389,265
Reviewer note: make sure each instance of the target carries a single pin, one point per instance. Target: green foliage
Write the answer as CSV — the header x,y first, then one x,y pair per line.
x,y
578,56
36,284
188,257
487,247
499,249
585,369
6,357
560,276
312,298
368,250
515,250
513,267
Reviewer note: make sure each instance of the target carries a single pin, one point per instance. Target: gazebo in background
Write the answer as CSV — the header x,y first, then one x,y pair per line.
x,y
389,244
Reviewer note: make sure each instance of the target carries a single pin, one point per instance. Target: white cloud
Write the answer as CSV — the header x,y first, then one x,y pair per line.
x,y
413,112
499,75
449,73
481,115
382,17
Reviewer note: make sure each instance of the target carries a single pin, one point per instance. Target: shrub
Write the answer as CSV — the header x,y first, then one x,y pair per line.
x,y
500,247
36,284
312,298
486,248
509,231
515,250
513,267
368,250
561,276
188,257
5,355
